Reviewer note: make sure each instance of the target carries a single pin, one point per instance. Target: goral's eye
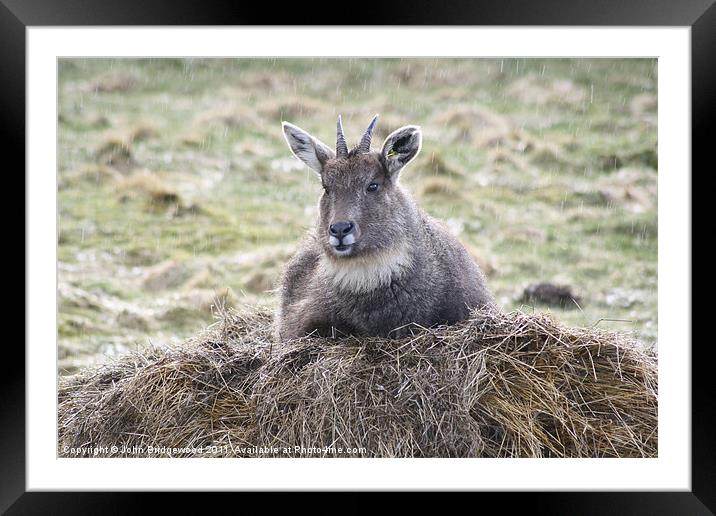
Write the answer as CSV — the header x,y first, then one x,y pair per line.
x,y
325,189
372,187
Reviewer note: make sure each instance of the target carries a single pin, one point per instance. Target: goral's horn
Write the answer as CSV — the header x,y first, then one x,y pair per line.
x,y
364,145
341,146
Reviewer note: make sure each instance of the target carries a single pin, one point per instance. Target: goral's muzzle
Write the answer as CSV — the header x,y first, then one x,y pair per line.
x,y
342,236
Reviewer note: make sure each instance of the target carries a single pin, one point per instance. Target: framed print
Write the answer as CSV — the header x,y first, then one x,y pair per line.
x,y
482,284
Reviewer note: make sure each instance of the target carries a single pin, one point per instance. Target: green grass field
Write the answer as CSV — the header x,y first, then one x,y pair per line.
x,y
177,190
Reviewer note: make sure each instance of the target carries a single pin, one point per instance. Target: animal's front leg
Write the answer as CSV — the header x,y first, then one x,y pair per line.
x,y
321,322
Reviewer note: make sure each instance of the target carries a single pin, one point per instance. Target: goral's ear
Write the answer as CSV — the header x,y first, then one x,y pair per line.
x,y
305,147
400,147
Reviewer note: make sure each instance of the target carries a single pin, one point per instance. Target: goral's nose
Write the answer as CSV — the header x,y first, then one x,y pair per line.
x,y
342,228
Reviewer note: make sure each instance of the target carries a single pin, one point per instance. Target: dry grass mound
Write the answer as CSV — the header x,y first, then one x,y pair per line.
x,y
497,385
115,152
146,184
116,82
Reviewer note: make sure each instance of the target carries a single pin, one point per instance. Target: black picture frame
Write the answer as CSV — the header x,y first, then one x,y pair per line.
x,y
700,15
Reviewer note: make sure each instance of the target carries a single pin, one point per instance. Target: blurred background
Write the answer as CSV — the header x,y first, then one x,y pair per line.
x,y
177,190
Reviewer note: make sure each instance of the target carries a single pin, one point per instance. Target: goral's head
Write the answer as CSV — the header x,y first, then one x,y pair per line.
x,y
362,210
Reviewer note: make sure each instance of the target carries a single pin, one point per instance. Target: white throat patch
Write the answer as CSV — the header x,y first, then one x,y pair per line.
x,y
361,274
